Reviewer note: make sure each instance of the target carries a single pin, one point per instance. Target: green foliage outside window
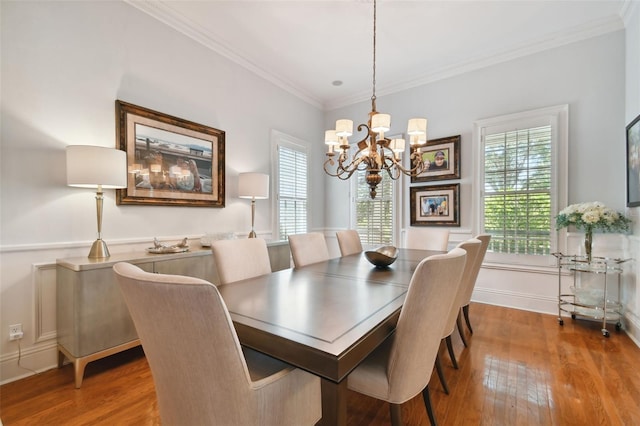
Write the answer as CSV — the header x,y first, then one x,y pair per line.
x,y
517,191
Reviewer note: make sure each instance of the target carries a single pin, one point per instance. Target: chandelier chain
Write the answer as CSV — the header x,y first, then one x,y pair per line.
x,y
373,97
375,154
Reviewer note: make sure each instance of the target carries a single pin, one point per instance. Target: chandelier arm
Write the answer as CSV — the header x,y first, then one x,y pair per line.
x,y
414,171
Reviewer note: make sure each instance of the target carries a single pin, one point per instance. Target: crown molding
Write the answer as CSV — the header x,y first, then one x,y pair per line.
x,y
576,34
169,16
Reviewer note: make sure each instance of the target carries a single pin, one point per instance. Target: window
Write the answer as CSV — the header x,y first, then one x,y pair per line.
x,y
291,185
374,218
520,187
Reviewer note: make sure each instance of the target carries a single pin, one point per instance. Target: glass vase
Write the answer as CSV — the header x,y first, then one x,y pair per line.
x,y
588,240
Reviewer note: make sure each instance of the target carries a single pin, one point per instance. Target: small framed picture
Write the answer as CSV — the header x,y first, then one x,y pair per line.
x,y
171,161
633,163
441,158
436,205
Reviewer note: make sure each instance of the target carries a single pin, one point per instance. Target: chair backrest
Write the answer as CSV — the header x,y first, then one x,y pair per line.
x,y
240,259
196,360
349,242
468,291
308,248
472,247
418,333
427,238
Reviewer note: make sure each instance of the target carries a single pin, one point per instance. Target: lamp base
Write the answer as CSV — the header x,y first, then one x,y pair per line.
x,y
99,250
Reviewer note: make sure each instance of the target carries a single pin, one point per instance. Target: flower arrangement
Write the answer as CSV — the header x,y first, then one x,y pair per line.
x,y
592,216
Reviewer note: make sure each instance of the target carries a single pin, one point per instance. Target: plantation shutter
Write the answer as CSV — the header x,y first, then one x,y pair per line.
x,y
374,218
518,190
292,191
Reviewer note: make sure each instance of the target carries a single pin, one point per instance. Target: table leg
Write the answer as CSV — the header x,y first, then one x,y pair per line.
x,y
334,403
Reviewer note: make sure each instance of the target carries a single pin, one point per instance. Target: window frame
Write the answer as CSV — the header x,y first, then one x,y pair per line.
x,y
279,139
558,118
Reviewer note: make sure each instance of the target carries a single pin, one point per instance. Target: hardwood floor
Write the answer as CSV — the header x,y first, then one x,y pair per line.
x,y
521,368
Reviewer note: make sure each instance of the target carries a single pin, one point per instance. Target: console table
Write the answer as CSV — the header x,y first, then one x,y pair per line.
x,y
92,318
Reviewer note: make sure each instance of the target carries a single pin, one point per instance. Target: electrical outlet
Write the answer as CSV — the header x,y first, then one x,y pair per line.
x,y
15,332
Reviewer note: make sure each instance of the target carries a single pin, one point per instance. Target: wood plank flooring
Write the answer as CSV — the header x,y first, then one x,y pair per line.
x,y
521,368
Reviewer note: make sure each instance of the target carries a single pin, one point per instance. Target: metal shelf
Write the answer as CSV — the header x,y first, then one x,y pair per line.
x,y
592,304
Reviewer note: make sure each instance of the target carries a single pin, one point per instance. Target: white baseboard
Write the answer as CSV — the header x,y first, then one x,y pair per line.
x,y
19,364
631,325
511,299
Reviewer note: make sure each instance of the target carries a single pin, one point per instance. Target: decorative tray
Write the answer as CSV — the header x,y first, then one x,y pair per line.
x,y
161,250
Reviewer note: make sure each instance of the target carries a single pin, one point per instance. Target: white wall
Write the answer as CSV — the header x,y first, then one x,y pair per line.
x,y
589,76
63,66
630,290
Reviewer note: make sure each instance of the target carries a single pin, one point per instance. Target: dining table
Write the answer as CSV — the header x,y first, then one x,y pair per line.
x,y
324,318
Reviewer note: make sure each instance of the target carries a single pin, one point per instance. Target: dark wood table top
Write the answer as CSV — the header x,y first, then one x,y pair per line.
x,y
325,317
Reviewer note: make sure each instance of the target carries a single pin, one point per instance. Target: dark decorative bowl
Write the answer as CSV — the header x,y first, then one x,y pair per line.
x,y
383,256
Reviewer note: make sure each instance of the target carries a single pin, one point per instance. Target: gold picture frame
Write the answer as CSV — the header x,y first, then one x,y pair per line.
x,y
170,161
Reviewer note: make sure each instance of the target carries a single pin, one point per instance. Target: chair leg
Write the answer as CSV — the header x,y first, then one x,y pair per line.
x,y
440,371
465,311
452,355
459,326
427,403
396,414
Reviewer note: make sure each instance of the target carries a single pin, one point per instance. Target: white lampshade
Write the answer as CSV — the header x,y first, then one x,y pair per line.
x,y
330,137
344,127
381,123
253,185
417,126
90,166
397,145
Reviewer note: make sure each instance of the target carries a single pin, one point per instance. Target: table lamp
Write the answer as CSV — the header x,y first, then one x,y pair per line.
x,y
98,167
256,187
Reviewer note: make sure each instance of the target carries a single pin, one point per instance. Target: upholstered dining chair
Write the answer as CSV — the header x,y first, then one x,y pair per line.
x,y
466,299
308,248
427,238
201,374
240,259
400,368
472,247
349,242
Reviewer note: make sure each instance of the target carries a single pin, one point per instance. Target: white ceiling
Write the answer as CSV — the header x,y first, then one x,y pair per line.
x,y
303,45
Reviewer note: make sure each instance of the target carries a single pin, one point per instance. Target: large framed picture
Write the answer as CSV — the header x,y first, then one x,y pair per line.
x,y
633,163
435,205
171,161
441,158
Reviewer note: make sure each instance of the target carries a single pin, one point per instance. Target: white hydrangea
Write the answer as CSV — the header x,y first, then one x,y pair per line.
x,y
591,216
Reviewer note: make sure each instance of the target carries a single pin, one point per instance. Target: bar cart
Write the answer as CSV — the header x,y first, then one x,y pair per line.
x,y
586,302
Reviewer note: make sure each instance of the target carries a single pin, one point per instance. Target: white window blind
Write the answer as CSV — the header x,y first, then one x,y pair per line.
x,y
374,218
517,190
292,191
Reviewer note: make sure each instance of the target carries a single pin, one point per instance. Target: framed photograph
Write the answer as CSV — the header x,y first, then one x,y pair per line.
x,y
633,163
441,158
171,161
435,205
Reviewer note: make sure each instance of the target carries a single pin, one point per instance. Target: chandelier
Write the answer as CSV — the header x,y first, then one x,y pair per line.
x,y
374,153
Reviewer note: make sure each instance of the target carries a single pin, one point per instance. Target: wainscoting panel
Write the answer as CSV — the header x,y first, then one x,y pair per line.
x,y
44,292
